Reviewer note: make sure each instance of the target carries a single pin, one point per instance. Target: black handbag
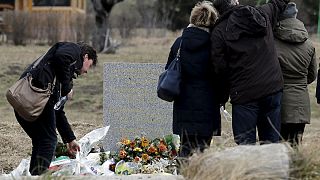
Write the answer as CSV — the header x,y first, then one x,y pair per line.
x,y
169,81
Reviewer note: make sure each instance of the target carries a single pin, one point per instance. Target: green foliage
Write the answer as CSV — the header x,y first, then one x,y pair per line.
x,y
177,12
103,157
61,150
312,9
312,4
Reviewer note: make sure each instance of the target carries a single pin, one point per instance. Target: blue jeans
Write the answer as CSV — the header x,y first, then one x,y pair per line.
x,y
44,139
262,114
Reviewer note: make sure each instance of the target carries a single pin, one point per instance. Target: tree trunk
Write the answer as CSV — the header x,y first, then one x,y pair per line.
x,y
102,40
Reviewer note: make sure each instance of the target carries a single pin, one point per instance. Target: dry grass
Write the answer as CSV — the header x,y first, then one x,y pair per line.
x,y
212,164
237,163
85,112
306,163
216,163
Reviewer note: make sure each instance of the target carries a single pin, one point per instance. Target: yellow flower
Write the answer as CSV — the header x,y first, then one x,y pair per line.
x,y
144,142
145,157
125,141
137,149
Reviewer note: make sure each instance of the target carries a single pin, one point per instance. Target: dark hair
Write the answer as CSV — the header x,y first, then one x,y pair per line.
x,y
87,49
223,5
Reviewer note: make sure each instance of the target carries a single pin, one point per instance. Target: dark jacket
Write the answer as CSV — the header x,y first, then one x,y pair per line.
x,y
299,68
196,110
243,51
62,61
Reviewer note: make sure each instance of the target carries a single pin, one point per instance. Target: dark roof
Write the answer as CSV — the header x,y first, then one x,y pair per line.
x,y
7,2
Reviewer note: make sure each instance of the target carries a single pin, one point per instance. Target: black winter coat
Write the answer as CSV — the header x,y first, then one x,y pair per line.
x,y
196,110
243,51
62,61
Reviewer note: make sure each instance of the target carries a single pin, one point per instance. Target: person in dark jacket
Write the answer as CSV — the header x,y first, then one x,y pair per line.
x,y
243,54
196,115
63,62
297,58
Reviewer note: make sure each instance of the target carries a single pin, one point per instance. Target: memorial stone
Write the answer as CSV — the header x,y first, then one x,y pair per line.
x,y
131,106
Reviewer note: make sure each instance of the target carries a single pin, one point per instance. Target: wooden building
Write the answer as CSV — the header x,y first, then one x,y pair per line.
x,y
63,6
6,5
62,16
44,5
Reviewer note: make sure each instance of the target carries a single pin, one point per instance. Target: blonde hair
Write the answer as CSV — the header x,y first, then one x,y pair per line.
x,y
203,14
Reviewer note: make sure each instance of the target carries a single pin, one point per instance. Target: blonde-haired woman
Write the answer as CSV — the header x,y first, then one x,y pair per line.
x,y
196,116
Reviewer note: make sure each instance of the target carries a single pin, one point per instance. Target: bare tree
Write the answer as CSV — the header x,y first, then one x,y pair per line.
x,y
120,19
147,10
101,39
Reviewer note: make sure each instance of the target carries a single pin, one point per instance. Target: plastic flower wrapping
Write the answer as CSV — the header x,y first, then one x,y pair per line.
x,y
148,156
139,155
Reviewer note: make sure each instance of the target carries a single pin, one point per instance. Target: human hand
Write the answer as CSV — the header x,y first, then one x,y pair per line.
x,y
72,148
70,94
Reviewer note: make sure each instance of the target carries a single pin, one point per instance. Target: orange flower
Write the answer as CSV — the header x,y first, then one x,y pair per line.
x,y
122,154
145,157
144,142
152,149
132,144
125,141
162,147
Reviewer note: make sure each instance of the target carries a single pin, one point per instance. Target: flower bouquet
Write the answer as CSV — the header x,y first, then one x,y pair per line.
x,y
146,155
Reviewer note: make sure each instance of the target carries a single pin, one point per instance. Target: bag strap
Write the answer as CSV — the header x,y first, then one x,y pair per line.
x,y
178,52
38,61
51,86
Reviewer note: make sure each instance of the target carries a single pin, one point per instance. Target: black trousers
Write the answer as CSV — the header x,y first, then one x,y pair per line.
x,y
292,132
191,143
262,114
44,139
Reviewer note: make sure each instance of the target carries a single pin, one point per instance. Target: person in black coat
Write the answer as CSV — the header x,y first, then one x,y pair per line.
x,y
243,54
196,115
63,62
